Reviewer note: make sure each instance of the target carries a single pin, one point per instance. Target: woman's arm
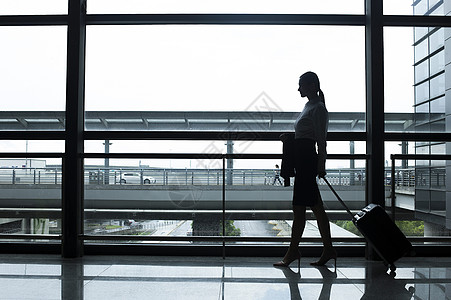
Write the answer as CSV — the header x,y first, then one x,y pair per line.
x,y
321,120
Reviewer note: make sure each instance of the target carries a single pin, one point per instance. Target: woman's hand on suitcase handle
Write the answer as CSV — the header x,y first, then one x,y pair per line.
x,y
321,171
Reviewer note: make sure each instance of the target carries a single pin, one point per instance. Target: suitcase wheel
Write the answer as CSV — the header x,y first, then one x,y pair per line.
x,y
392,268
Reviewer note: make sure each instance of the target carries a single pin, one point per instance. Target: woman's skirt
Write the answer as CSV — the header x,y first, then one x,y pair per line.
x,y
305,192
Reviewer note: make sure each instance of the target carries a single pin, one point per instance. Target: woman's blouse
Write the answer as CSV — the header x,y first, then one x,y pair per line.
x,y
312,123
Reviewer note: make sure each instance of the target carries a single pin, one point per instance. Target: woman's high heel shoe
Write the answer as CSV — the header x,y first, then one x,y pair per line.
x,y
286,264
325,258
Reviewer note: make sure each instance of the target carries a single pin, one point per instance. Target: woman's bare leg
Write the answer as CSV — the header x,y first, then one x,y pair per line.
x,y
323,223
296,232
324,229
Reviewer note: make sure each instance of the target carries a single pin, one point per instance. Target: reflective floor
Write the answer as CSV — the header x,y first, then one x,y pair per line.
x,y
152,277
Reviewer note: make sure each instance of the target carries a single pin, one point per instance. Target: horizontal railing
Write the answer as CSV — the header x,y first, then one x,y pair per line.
x,y
434,178
172,176
167,176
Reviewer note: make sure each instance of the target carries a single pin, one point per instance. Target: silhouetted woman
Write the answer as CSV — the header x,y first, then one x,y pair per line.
x,y
310,133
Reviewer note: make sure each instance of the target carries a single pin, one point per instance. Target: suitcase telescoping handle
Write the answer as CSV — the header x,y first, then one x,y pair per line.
x,y
339,198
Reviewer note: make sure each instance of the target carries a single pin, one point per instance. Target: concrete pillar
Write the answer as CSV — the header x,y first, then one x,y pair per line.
x,y
229,167
352,163
107,163
404,150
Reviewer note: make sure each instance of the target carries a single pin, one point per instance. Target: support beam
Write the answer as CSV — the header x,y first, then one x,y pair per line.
x,y
72,187
229,176
375,101
107,162
374,50
352,163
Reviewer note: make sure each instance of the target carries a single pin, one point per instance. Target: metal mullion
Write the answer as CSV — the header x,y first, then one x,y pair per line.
x,y
33,20
208,238
213,238
224,19
431,77
154,155
31,155
427,35
209,135
418,136
72,183
422,156
30,236
180,135
209,156
32,135
417,21
223,207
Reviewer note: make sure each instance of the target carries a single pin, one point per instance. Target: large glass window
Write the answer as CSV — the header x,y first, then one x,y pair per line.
x,y
420,33
32,7
438,107
234,6
30,188
422,71
30,196
421,50
422,92
437,62
31,146
33,76
437,86
436,40
142,197
399,78
220,68
420,7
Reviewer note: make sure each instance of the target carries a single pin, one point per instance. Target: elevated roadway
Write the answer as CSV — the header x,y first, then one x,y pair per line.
x,y
177,202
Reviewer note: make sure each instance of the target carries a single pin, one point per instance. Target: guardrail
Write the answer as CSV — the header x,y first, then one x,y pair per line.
x,y
173,176
424,176
142,176
145,176
31,175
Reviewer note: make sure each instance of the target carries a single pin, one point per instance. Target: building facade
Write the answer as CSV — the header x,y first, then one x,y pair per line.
x,y
432,114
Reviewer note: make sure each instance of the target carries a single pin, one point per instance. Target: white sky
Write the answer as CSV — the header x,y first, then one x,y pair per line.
x,y
30,7
199,67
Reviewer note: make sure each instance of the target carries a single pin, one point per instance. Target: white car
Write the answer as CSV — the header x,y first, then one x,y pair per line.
x,y
134,178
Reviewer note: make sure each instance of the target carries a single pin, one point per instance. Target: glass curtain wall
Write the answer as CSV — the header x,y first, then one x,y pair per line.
x,y
431,113
33,92
415,90
208,78
183,105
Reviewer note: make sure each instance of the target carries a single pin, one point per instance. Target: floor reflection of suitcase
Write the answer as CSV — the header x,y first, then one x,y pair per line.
x,y
379,231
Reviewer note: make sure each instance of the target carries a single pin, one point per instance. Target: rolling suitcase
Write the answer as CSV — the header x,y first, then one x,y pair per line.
x,y
379,231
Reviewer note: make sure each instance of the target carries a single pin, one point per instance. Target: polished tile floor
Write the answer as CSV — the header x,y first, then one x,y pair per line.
x,y
152,277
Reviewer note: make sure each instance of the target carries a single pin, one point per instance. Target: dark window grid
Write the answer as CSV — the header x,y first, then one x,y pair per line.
x,y
428,101
429,56
430,32
429,79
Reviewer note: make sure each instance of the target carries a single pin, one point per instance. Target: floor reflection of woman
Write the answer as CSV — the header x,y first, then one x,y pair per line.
x,y
310,133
